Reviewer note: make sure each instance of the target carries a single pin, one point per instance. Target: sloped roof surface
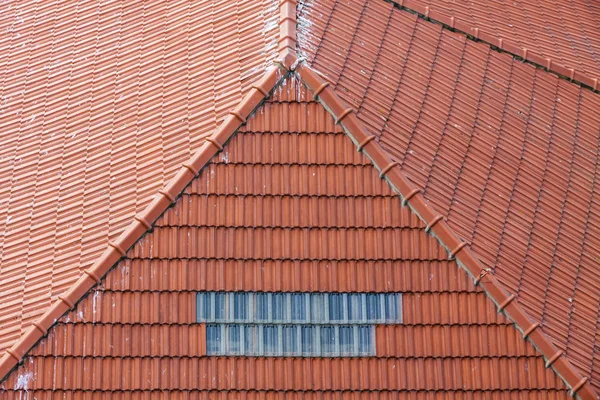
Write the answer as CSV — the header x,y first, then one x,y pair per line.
x,y
506,151
100,104
564,31
288,205
377,57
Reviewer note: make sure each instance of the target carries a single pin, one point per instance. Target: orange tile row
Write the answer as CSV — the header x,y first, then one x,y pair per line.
x,y
289,212
289,244
293,118
288,276
313,180
226,373
282,148
548,394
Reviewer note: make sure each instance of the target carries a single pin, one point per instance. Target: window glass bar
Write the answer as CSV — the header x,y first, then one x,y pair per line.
x,y
276,340
299,308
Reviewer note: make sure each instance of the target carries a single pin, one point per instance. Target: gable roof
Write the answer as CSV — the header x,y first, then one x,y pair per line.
x,y
381,157
289,205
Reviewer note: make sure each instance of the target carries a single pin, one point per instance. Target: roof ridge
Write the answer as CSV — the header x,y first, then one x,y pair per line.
x,y
504,45
435,224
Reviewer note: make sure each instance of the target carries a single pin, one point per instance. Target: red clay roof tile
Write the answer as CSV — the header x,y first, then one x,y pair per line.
x,y
555,36
101,104
449,327
415,103
497,145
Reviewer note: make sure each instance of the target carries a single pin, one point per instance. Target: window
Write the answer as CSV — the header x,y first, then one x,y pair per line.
x,y
299,308
295,324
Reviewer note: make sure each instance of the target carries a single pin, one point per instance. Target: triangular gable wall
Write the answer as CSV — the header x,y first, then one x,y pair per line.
x,y
288,205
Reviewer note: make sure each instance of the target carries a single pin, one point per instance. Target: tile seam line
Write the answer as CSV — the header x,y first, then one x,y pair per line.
x,y
143,222
580,387
503,45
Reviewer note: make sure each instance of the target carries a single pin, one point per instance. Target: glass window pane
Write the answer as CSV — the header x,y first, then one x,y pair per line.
x,y
270,340
277,306
251,340
336,307
298,307
365,340
309,347
233,339
355,309
317,308
391,308
261,306
328,340
240,306
221,306
290,340
373,307
213,339
346,340
203,307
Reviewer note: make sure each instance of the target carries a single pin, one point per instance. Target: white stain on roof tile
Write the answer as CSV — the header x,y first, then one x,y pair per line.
x,y
23,380
304,28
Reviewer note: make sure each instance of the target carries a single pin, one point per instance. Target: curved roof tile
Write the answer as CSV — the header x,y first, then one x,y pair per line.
x,y
507,151
101,103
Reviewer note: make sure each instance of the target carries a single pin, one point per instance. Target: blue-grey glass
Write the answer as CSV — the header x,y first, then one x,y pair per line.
x,y
221,306
328,340
317,308
270,339
240,310
251,340
298,307
213,339
203,307
290,339
261,307
373,307
365,340
309,347
355,310
336,307
277,306
233,339
391,308
346,340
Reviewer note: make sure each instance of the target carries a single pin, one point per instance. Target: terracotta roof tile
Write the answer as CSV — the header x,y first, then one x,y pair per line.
x,y
498,146
102,102
450,328
261,245
564,34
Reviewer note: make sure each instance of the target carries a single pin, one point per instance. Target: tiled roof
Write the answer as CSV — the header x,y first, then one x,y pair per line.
x,y
100,104
251,241
360,58
564,32
506,151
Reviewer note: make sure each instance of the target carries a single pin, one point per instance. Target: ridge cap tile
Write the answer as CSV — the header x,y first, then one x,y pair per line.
x,y
458,249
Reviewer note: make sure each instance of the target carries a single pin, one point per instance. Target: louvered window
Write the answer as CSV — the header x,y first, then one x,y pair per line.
x,y
295,324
